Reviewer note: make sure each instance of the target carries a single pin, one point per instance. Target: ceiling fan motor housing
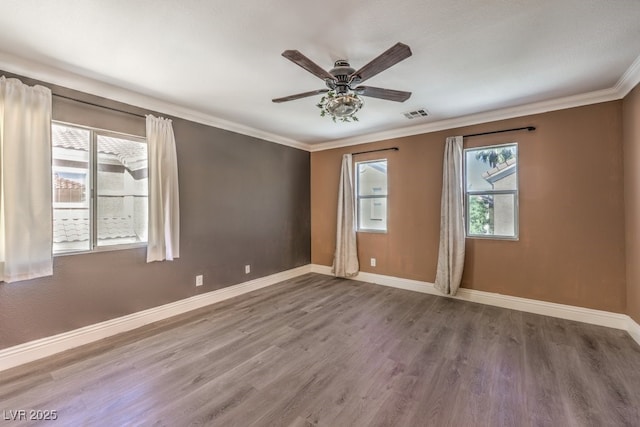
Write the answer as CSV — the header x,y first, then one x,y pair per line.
x,y
343,74
341,71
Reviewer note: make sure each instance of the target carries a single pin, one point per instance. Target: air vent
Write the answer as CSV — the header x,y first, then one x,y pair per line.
x,y
416,114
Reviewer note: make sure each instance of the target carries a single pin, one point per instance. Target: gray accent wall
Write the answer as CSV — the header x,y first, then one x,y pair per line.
x,y
242,201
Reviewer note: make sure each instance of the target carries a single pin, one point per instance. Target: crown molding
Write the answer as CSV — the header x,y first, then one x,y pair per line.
x,y
629,80
27,68
595,97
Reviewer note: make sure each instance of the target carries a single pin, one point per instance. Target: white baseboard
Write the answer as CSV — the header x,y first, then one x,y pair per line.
x,y
562,311
634,330
38,349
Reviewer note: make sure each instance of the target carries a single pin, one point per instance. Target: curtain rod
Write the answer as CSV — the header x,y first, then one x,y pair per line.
x,y
98,105
527,128
375,151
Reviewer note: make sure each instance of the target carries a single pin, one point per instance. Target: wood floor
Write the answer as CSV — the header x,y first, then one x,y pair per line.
x,y
322,351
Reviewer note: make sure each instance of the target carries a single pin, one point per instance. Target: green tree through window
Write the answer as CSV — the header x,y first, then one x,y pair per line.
x,y
481,215
491,191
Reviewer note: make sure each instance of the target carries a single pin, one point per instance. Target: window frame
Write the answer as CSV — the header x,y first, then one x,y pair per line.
x,y
515,193
360,229
92,174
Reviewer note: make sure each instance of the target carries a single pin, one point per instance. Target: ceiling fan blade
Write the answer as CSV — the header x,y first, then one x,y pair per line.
x,y
388,94
300,95
298,58
386,59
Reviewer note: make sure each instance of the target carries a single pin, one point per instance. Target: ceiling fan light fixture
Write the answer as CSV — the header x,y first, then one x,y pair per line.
x,y
344,105
341,107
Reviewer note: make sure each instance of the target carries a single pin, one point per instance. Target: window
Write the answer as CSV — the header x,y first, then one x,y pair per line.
x,y
371,195
100,189
491,191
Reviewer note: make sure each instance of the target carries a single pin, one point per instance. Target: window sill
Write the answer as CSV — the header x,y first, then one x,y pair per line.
x,y
104,249
371,231
512,238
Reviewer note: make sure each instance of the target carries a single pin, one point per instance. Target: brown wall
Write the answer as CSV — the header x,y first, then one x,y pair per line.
x,y
571,246
242,201
246,201
631,126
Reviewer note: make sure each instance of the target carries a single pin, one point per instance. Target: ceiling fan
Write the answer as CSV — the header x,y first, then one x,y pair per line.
x,y
342,79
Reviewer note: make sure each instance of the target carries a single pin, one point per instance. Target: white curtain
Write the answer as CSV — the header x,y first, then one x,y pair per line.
x,y
452,235
345,260
164,210
25,181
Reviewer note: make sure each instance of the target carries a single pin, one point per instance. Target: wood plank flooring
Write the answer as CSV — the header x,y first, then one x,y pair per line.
x,y
320,351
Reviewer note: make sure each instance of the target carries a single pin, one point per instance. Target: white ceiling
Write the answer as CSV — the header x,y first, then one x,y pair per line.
x,y
219,62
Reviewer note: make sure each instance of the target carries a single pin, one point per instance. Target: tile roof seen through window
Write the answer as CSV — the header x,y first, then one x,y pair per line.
x,y
113,228
77,229
70,230
500,170
132,154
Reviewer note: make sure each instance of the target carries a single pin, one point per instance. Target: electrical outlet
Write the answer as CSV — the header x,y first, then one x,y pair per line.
x,y
373,262
247,269
199,280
